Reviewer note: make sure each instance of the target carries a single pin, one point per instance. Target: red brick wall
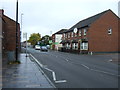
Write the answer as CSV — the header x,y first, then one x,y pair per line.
x,y
10,34
99,40
53,40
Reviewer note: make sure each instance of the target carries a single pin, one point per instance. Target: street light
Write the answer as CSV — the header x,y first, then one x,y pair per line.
x,y
21,20
21,28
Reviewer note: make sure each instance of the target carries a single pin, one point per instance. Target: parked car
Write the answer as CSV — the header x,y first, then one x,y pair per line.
x,y
44,48
48,46
37,47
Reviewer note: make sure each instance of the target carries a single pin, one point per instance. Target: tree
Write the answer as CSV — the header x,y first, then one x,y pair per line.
x,y
45,40
34,38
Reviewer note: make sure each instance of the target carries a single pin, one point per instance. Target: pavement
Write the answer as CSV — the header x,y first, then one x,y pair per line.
x,y
24,75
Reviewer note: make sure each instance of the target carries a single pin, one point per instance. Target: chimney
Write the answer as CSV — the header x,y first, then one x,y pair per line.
x,y
1,12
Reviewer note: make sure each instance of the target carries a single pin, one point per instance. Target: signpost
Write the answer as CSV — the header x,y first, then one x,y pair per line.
x,y
25,36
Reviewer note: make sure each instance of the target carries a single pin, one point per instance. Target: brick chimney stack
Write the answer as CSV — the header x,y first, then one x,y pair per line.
x,y
1,12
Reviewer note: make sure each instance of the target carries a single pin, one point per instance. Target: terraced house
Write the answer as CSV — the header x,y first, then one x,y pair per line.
x,y
96,34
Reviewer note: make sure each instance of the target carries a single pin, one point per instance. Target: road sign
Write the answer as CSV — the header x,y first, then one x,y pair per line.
x,y
24,35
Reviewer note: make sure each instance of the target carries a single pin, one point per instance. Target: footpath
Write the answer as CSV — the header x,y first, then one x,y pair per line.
x,y
24,75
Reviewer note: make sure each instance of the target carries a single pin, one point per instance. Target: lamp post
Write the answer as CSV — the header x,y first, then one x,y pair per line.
x,y
21,20
16,30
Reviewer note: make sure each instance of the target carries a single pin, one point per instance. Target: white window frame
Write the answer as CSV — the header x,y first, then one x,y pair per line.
x,y
110,31
75,46
72,34
84,46
85,31
76,34
69,45
66,35
80,32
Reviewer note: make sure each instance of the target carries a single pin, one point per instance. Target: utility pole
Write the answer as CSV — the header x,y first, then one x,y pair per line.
x,y
17,30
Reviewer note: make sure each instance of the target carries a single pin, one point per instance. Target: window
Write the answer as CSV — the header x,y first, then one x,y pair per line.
x,y
66,35
68,46
71,34
75,46
63,35
75,34
85,31
109,31
80,32
84,46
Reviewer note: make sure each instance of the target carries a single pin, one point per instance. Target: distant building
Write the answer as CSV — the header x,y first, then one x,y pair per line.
x,y
56,39
9,34
97,34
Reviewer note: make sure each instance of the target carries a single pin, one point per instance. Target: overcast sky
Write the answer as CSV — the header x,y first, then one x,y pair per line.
x,y
43,16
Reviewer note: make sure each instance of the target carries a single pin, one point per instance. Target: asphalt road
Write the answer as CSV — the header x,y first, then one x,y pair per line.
x,y
79,71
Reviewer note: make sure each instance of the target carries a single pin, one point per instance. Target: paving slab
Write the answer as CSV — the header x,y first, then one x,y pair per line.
x,y
24,75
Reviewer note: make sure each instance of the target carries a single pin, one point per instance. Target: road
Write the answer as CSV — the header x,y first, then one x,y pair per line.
x,y
78,71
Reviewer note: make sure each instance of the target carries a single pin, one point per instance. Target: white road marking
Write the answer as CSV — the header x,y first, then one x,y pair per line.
x,y
67,60
54,76
53,73
99,70
85,66
60,81
37,61
104,72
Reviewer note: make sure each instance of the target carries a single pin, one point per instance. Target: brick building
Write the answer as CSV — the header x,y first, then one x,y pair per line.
x,y
9,34
56,39
96,34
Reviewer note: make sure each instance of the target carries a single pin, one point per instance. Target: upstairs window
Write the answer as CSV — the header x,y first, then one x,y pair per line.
x,y
85,31
80,32
109,31
66,35
71,34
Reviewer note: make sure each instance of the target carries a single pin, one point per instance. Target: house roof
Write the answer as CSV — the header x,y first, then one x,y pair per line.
x,y
88,21
61,31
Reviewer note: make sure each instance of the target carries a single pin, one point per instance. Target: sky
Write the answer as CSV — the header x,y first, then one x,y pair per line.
x,y
49,16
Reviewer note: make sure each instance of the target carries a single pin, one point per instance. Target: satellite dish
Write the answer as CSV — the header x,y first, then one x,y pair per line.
x,y
75,30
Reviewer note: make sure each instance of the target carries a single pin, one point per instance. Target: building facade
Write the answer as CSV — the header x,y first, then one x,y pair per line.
x,y
9,34
96,34
56,39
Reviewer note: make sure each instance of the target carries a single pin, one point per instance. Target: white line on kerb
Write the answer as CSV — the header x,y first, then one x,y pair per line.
x,y
85,66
